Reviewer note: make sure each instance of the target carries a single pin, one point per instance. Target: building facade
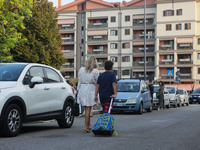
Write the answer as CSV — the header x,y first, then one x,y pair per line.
x,y
115,31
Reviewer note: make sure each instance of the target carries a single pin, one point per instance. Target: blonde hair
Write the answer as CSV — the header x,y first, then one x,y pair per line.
x,y
90,64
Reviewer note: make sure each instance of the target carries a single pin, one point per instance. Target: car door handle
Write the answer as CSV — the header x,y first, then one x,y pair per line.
x,y
62,87
46,88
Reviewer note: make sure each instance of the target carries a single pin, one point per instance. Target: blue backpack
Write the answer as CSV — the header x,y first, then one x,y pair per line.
x,y
104,124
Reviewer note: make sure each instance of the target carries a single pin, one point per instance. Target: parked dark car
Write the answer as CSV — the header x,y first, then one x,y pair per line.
x,y
195,97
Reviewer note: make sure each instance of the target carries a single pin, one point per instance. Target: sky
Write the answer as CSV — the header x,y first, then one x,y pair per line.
x,y
64,2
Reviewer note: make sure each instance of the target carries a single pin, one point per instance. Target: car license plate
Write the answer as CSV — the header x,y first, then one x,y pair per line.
x,y
194,100
118,104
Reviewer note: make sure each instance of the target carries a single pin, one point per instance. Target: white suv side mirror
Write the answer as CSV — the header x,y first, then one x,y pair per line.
x,y
35,80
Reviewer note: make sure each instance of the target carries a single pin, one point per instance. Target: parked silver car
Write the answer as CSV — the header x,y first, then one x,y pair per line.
x,y
155,98
184,97
174,96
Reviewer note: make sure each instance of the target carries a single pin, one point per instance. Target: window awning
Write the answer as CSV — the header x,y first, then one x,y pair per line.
x,y
66,21
184,40
100,32
142,43
103,17
142,16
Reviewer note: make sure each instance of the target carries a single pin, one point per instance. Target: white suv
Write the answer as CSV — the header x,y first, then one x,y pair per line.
x,y
30,92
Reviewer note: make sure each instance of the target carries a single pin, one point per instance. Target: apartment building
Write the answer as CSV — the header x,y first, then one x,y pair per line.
x,y
115,31
178,40
108,31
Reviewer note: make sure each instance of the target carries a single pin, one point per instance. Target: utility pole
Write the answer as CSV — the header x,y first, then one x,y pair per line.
x,y
145,40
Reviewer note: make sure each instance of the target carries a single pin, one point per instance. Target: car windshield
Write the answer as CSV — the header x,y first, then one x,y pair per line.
x,y
197,91
128,87
156,89
10,72
181,92
171,90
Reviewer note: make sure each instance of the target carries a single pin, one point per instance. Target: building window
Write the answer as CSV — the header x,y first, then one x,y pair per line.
x,y
127,31
178,26
179,12
113,32
82,17
115,72
125,72
198,41
198,70
168,27
187,26
127,18
113,58
125,45
113,46
168,13
126,59
113,19
198,55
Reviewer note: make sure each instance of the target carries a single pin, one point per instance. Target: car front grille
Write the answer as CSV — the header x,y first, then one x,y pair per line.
x,y
120,100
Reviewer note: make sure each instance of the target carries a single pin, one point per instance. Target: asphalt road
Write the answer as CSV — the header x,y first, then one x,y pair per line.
x,y
172,129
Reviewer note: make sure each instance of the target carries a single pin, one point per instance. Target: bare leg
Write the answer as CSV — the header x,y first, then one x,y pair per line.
x,y
87,117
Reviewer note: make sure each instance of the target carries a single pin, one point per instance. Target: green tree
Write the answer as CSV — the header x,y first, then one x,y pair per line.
x,y
12,14
44,41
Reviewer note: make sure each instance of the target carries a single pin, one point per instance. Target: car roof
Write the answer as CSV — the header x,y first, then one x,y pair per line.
x,y
130,80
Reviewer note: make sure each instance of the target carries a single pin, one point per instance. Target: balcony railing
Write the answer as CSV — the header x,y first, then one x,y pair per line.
x,y
68,53
66,27
185,76
67,39
141,49
184,46
98,51
141,36
141,23
185,61
148,77
141,63
68,65
98,25
166,47
164,76
166,62
98,38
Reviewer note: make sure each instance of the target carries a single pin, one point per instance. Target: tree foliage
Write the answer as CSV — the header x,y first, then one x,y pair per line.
x,y
44,41
12,15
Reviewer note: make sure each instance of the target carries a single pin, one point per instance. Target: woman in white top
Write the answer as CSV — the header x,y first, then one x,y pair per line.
x,y
86,88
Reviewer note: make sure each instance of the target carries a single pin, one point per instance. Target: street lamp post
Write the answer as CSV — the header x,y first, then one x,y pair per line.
x,y
144,40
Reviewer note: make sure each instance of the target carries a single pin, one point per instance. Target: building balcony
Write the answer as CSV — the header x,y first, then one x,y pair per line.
x,y
98,38
67,39
141,64
166,47
141,23
184,46
98,51
185,61
68,65
165,77
141,77
141,49
66,27
141,37
166,62
98,25
68,53
185,76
